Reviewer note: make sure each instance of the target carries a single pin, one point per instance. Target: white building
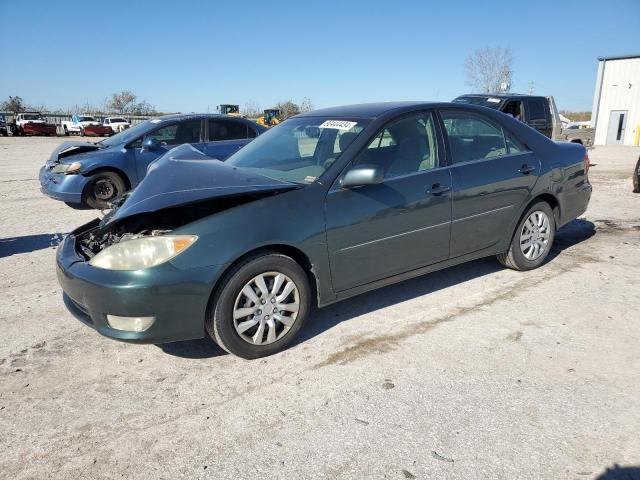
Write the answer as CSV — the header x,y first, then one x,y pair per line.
x,y
616,102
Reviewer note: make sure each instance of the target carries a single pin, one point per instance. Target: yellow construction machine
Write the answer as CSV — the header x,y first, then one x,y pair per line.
x,y
270,117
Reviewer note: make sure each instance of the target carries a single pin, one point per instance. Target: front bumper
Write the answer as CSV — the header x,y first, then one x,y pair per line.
x,y
97,130
66,188
39,129
177,298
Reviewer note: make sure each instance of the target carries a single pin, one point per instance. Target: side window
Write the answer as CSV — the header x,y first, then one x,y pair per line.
x,y
178,133
513,108
536,110
513,145
405,146
472,137
220,130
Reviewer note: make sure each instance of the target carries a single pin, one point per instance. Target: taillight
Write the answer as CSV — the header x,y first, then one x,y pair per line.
x,y
587,164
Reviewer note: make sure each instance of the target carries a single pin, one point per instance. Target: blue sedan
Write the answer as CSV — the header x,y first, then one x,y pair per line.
x,y
85,174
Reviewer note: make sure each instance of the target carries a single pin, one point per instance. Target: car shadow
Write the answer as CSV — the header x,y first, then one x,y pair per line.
x,y
324,319
620,473
29,243
201,348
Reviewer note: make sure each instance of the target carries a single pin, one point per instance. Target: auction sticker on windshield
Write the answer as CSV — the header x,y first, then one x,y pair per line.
x,y
338,124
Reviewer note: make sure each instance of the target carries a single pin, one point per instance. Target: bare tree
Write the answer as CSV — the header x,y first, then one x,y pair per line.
x,y
143,108
489,70
306,105
14,105
288,109
251,109
121,102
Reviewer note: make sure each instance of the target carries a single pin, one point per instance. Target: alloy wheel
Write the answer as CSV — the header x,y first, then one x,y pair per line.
x,y
266,308
535,235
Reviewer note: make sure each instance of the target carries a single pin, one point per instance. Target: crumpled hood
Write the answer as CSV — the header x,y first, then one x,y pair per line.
x,y
185,175
66,149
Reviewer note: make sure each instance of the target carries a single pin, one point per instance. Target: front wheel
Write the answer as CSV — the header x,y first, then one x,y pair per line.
x,y
260,307
532,239
103,188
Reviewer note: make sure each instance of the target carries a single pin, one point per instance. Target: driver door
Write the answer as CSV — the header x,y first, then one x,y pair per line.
x,y
377,231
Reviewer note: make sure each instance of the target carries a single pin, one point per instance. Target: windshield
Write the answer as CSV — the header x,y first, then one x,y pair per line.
x,y
299,150
130,134
118,120
32,116
87,119
485,101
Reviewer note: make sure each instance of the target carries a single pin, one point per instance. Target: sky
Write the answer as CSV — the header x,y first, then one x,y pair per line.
x,y
189,56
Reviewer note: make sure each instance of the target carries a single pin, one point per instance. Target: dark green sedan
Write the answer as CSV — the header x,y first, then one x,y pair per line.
x,y
324,206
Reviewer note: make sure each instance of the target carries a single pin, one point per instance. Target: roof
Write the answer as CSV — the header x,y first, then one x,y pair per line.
x,y
177,116
365,110
619,57
499,95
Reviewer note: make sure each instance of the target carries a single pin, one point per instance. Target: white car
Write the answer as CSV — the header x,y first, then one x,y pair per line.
x,y
117,124
78,123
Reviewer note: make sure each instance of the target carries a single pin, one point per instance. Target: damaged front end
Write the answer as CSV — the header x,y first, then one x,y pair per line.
x,y
100,234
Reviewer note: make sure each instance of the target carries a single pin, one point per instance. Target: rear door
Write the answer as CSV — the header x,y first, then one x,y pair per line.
x,y
377,231
538,115
227,136
492,176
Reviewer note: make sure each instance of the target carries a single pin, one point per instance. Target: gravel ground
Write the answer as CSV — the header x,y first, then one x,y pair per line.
x,y
472,372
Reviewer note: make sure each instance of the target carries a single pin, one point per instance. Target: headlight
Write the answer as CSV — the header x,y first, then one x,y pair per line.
x,y
142,252
66,168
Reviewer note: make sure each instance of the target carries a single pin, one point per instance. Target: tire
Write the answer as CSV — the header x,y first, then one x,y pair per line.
x,y
516,257
102,189
230,298
636,177
66,131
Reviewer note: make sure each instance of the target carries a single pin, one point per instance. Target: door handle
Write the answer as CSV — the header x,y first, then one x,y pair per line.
x,y
526,169
437,189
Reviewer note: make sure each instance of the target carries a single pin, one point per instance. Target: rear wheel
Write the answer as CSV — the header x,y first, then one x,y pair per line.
x,y
636,177
66,131
532,239
103,188
260,307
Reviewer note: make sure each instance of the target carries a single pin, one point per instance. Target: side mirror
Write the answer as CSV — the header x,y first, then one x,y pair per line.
x,y
151,145
362,175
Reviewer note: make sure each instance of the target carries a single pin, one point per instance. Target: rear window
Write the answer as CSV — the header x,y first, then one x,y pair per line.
x,y
536,109
221,130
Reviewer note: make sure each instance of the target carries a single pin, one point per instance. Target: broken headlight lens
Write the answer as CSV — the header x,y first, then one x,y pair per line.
x,y
67,168
142,252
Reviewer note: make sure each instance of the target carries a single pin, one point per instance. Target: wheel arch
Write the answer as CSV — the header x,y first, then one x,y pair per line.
x,y
549,198
294,253
545,196
112,169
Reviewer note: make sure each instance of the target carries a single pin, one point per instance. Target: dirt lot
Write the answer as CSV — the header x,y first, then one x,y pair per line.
x,y
473,372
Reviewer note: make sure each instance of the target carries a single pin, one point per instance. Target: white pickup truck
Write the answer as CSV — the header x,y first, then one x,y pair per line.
x,y
117,124
78,123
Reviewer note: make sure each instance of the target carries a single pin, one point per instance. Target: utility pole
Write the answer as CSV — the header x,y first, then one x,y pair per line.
x,y
530,87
